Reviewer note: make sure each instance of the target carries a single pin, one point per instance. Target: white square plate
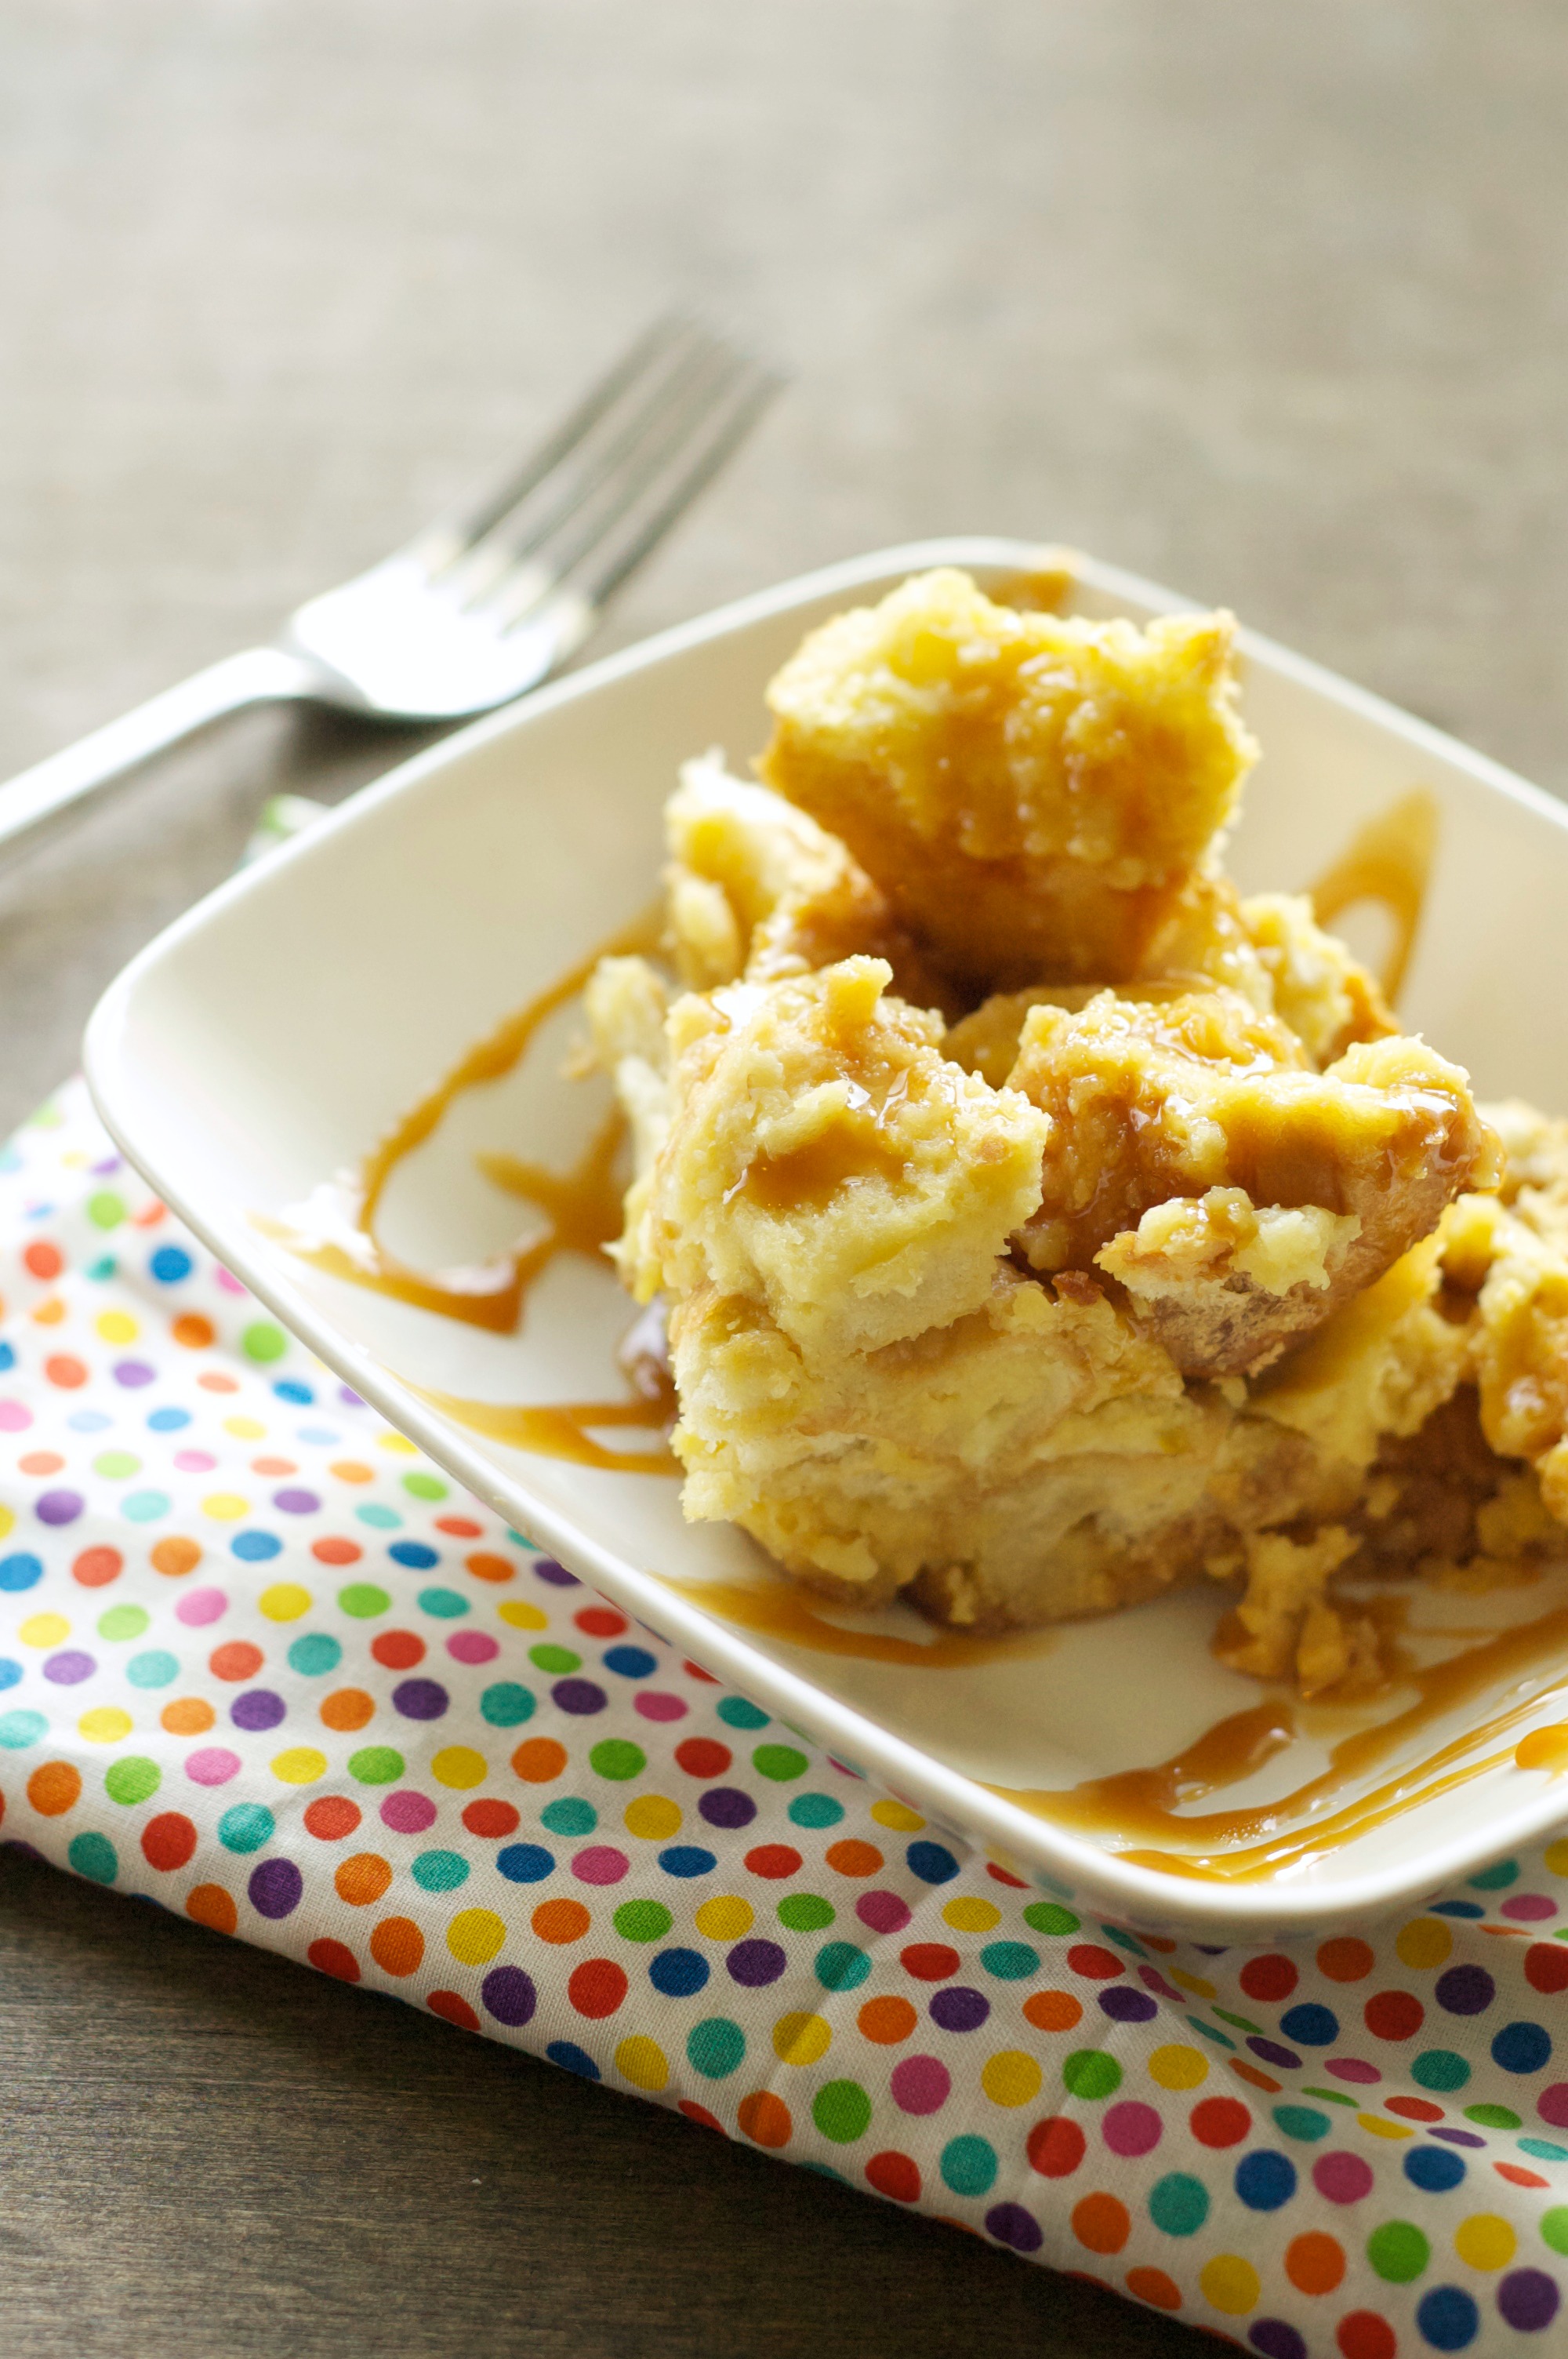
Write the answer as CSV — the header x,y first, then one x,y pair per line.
x,y
269,1037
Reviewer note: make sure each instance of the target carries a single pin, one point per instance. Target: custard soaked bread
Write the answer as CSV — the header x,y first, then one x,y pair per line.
x,y
1040,1222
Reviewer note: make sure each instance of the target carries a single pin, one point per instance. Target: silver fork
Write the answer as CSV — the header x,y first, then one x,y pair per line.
x,y
480,606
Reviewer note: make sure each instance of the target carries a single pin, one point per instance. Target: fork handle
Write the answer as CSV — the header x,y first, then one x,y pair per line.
x,y
37,802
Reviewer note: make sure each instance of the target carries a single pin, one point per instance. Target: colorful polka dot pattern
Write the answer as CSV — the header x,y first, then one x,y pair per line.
x,y
260,1665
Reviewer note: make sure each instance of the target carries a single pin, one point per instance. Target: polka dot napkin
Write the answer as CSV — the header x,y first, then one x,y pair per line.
x,y
261,1665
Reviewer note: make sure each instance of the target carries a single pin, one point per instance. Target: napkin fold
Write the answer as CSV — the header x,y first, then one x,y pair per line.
x,y
261,1664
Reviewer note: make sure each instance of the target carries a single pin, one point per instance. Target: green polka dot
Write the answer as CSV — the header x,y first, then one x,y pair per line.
x,y
554,1659
135,1779
1009,1962
1300,2122
123,1622
643,1920
618,1758
1241,2022
446,1604
779,1762
715,2047
439,1871
116,1465
246,1827
806,1912
263,1341
1398,2251
1331,2097
1090,2073
426,1487
1554,2227
1439,2068
968,2165
1492,2117
569,1816
105,1210
94,1856
736,1713
104,1266
1502,1873
507,1705
839,1966
1178,2204
1220,2038
362,1599
1049,1917
375,1764
842,2111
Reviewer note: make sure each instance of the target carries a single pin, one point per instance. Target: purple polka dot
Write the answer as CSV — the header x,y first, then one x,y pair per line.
x,y
257,1709
726,1806
67,1670
1012,2225
1552,2104
509,1996
1466,1990
959,2008
1272,2053
133,1373
1530,1907
1458,2138
546,1569
274,1888
213,1766
1124,2005
1341,2178
296,1503
1275,2339
58,1507
472,1646
23,1849
755,1964
577,1695
407,1814
420,1699
1528,2300
1351,2068
920,2084
883,1912
657,1706
199,1607
347,1393
1131,2128
600,1863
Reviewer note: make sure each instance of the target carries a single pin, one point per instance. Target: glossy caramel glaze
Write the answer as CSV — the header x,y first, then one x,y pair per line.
x,y
788,1613
1389,862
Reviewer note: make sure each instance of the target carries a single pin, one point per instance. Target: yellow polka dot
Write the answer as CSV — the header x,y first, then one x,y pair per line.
x,y
1485,2241
244,1428
899,1816
117,1327
724,1918
1011,2078
285,1602
1194,1982
519,1616
474,1936
1230,2284
460,1766
1556,1856
1381,2128
801,2038
971,1916
6,1520
300,1766
1178,2068
643,2062
399,1443
105,1726
652,1817
225,1506
44,1630
1425,1941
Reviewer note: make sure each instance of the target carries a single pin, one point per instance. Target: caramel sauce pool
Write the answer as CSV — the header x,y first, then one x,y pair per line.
x,y
1389,861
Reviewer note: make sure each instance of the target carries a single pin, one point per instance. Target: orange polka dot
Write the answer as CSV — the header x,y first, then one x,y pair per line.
x,y
539,1759
188,1716
1251,2073
1344,1958
349,1470
215,1381
1052,2010
1314,2263
43,1259
336,1551
349,1708
64,1371
362,1879
50,1313
210,1906
489,1568
191,1330
174,1557
854,1858
887,2021
765,2119
237,1659
1100,2223
1155,2288
272,1466
54,1788
397,1946
561,1920
40,1461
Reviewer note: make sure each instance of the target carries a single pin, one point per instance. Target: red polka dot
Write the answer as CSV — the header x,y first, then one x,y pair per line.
x,y
929,1961
1268,1980
895,2175
765,2119
1002,1875
1364,2335
703,1756
1153,2286
397,1650
597,1987
236,1660
695,1672
1413,2109
1220,2121
1394,2014
1100,1966
774,1861
453,2010
95,1568
167,1841
1517,2175
459,1528
66,1371
490,1820
601,1621
700,2115
335,1551
1346,1960
43,1259
331,1818
1546,1966
334,1958
1056,2147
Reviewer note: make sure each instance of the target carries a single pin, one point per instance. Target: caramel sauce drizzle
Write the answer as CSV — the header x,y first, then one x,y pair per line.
x,y
1388,861
780,1611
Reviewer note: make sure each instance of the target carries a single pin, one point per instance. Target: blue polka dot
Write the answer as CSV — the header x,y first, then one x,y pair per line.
x,y
932,1863
687,1859
246,1827
569,1816
1448,2317
446,1604
153,1669
736,1713
1433,2169
289,1389
1454,1908
1310,2025
414,1554
838,1966
167,1420
1520,2047
256,1547
320,1437
8,1356
95,1857
1265,2180
20,1729
572,2058
679,1973
314,1654
20,1571
170,1263
506,1704
816,1810
10,1672
631,1662
525,1863
89,1420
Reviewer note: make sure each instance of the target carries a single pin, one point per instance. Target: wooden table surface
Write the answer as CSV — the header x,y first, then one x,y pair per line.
x,y
1269,303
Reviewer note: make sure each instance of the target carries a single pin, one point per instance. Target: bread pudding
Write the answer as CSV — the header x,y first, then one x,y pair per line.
x,y
1040,1221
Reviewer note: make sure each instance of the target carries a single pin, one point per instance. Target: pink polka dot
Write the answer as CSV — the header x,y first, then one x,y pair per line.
x,y
199,1607
1151,1979
195,1461
884,1912
1132,2129
14,1418
213,1766
1341,2178
920,2084
600,1863
472,1646
1530,1906
653,1705
1350,2068
408,1813
1552,2104
227,1280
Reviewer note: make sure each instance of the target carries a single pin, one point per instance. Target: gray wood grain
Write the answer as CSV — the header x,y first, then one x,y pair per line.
x,y
1266,302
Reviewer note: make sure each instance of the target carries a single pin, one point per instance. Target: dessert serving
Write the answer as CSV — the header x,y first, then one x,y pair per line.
x,y
1041,1223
